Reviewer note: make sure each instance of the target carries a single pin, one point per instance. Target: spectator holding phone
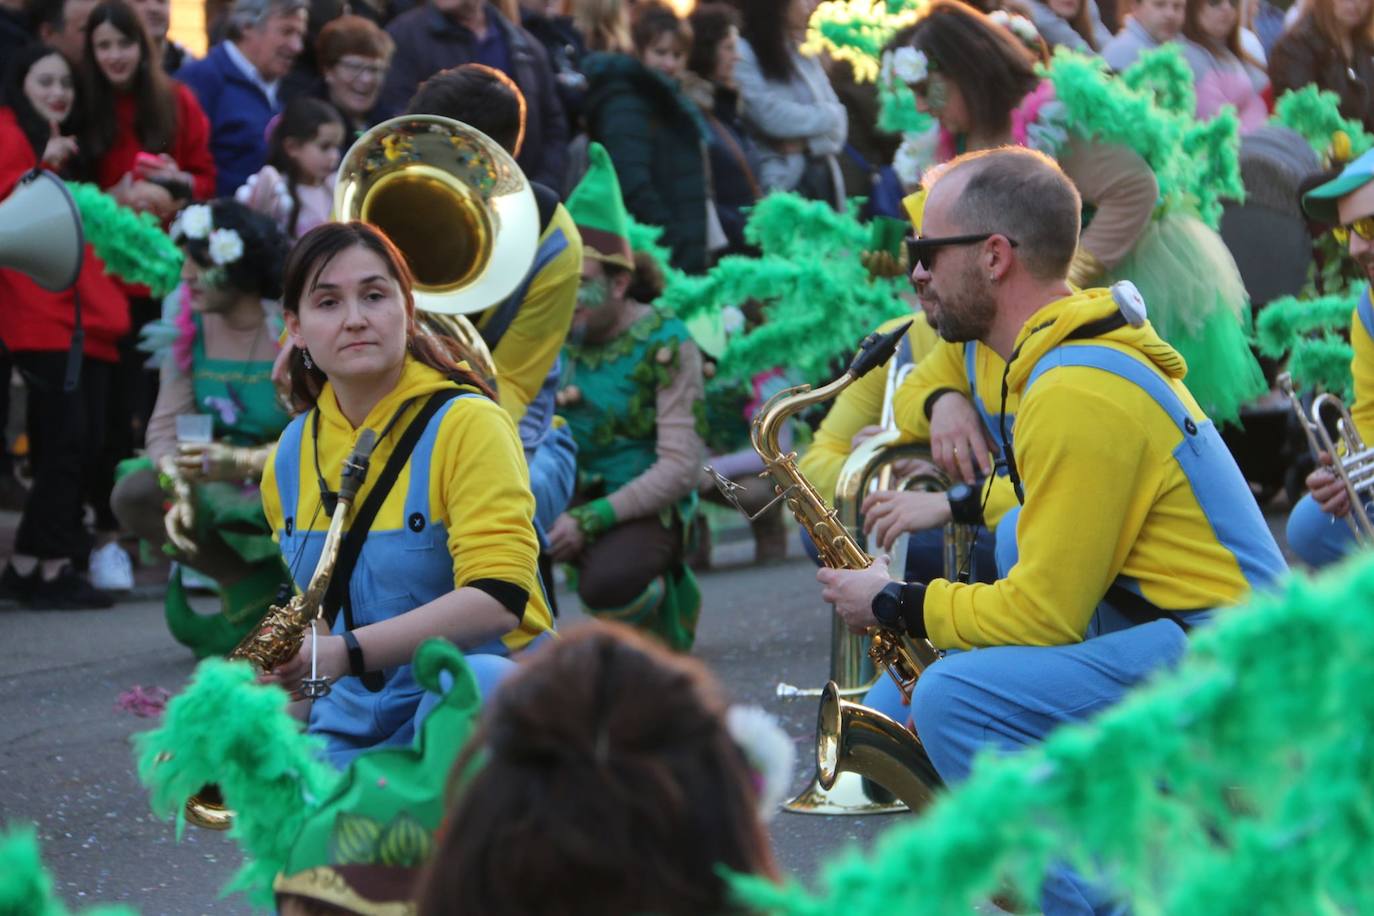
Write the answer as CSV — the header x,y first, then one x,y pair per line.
x,y
146,137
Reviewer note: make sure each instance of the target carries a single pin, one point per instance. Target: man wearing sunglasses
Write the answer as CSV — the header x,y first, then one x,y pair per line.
x,y
1317,531
1135,522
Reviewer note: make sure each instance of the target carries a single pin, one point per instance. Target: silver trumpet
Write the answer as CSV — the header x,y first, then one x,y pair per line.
x,y
1351,460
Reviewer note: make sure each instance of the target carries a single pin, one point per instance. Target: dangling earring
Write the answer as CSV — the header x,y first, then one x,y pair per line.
x,y
305,355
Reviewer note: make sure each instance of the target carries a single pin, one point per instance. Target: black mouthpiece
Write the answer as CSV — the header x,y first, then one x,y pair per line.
x,y
875,350
355,470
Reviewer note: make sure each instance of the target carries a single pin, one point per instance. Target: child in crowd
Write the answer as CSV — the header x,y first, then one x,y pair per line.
x,y
296,187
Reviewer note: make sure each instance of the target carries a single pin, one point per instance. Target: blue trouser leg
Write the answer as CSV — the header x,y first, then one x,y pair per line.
x,y
1317,538
1011,697
553,474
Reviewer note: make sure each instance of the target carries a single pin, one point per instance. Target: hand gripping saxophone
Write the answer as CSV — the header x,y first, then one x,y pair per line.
x,y
279,635
888,753
837,548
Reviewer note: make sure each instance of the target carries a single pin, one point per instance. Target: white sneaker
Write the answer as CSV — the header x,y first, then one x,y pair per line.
x,y
111,568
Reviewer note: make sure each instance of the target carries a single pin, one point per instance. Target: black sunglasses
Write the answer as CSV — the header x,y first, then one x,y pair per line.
x,y
921,251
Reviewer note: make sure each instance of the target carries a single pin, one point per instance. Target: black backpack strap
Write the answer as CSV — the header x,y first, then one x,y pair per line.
x,y
337,596
1138,609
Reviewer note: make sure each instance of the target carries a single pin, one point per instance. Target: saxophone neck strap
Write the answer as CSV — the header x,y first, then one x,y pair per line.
x,y
337,597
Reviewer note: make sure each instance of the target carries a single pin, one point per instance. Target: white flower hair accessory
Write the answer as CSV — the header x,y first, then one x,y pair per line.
x,y
195,222
768,751
1018,25
732,319
225,247
905,64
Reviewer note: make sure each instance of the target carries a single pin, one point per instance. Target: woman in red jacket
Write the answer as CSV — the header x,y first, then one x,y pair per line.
x,y
145,135
65,427
146,141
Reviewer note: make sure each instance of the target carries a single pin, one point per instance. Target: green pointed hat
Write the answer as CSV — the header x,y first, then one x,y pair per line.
x,y
599,211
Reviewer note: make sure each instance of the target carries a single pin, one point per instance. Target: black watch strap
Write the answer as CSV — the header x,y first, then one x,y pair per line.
x,y
356,665
913,609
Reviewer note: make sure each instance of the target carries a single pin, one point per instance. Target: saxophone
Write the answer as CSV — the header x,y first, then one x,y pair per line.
x,y
837,548
281,632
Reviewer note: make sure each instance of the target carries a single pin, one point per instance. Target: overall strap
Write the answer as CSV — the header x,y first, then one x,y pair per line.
x,y
1366,312
994,428
1216,482
500,323
288,471
337,595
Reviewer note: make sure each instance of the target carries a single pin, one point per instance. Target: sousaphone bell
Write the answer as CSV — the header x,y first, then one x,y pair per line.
x,y
456,205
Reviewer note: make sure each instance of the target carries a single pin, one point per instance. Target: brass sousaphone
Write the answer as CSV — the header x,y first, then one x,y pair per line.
x,y
456,205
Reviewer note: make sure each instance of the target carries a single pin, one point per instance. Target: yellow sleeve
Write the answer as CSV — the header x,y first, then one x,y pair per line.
x,y
859,405
526,352
942,367
483,496
1362,370
1067,556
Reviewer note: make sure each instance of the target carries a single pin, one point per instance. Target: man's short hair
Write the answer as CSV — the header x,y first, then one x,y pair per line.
x,y
477,95
249,13
1024,195
50,13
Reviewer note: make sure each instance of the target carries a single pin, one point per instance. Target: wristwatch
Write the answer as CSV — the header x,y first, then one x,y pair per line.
x,y
901,606
887,607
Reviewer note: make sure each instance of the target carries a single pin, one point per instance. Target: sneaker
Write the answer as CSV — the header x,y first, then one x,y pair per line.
x,y
111,569
15,586
69,591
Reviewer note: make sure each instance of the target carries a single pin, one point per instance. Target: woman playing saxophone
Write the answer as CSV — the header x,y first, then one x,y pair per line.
x,y
450,550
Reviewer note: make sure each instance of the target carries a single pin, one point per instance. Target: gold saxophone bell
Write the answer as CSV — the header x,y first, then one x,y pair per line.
x,y
851,738
901,658
1352,461
457,206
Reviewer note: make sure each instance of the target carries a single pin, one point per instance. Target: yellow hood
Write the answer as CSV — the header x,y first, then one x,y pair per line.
x,y
416,379
1052,325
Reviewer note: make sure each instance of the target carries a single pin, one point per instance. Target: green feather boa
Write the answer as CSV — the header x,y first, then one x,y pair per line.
x,y
1315,114
25,885
1238,783
132,245
1314,334
1150,111
229,730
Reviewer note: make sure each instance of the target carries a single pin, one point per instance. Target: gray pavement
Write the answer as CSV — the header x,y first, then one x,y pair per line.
x,y
66,763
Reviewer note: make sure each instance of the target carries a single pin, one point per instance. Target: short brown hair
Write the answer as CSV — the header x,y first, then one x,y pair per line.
x,y
652,19
610,785
1024,195
351,35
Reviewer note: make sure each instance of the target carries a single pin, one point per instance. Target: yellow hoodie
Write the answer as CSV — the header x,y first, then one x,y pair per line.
x,y
478,489
1362,367
1106,497
945,366
859,405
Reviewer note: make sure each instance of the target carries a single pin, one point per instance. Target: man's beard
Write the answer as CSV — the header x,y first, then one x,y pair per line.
x,y
965,313
1366,263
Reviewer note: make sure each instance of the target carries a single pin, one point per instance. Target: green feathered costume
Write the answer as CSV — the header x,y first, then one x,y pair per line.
x,y
355,839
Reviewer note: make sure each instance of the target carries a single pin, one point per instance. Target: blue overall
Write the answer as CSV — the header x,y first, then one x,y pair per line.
x,y
1317,538
397,571
1009,697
